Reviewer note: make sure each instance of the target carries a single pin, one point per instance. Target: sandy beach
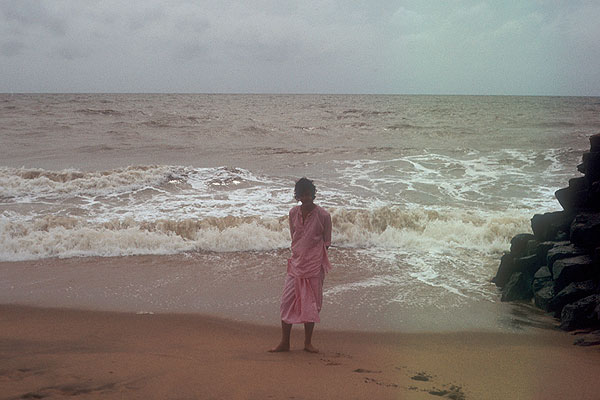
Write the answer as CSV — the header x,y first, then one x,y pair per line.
x,y
60,353
117,328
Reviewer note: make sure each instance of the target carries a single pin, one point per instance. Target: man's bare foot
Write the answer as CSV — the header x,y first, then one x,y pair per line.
x,y
281,348
310,348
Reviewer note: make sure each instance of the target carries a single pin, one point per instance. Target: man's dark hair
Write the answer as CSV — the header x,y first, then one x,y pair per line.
x,y
304,185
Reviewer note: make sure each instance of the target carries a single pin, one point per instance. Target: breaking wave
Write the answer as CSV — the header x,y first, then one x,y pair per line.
x,y
382,229
21,183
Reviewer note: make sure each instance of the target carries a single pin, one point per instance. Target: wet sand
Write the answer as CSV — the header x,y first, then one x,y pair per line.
x,y
60,353
246,286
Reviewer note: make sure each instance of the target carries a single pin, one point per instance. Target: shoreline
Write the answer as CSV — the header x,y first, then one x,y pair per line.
x,y
242,287
65,352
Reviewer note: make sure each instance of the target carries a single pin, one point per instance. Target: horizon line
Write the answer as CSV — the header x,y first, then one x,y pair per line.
x,y
302,94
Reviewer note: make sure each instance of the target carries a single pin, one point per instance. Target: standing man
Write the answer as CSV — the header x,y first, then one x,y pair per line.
x,y
302,298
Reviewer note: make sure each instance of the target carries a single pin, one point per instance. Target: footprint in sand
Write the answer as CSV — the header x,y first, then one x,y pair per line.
x,y
366,371
328,361
448,391
421,376
341,355
69,390
380,383
18,374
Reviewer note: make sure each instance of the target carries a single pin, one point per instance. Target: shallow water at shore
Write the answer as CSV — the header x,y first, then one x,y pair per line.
x,y
249,291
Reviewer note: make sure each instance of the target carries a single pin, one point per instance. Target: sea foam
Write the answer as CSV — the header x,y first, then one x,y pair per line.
x,y
382,229
21,184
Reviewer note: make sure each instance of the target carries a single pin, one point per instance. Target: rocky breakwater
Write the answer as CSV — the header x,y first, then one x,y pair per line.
x,y
558,266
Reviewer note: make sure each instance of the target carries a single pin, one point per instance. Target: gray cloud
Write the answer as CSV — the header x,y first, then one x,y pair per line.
x,y
69,53
31,13
11,48
388,46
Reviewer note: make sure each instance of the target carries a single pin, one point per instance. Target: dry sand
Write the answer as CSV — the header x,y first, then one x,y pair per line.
x,y
59,353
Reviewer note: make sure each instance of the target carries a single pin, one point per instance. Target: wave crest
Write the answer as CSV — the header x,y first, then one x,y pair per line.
x,y
385,228
427,230
35,182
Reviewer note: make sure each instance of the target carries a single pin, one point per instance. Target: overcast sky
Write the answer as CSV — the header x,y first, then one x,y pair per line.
x,y
522,47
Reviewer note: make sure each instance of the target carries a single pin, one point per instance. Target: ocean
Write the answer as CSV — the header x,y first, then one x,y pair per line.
x,y
425,192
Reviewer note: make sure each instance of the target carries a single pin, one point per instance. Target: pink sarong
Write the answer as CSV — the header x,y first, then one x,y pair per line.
x,y
302,296
302,299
